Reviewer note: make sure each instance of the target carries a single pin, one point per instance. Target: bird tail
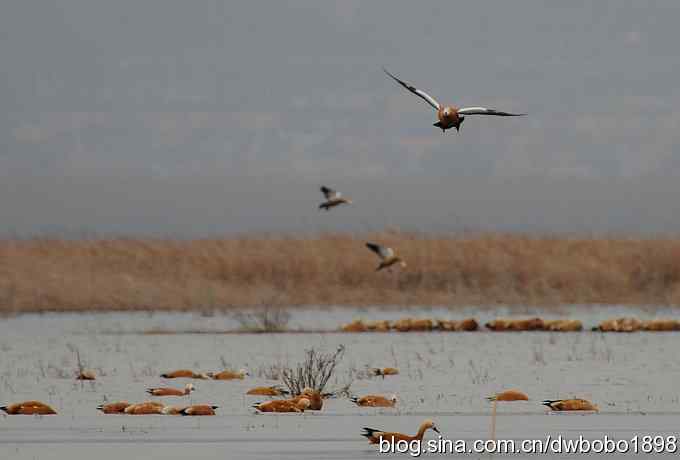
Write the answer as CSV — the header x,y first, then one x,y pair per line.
x,y
354,399
149,391
165,376
550,402
368,432
3,408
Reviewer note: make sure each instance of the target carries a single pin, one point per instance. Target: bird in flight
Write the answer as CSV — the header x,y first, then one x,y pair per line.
x,y
387,257
333,199
450,116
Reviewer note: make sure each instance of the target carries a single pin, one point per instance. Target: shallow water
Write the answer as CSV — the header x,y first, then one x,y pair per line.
x,y
444,376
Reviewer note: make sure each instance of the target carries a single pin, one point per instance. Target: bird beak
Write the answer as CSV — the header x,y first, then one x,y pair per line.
x,y
436,429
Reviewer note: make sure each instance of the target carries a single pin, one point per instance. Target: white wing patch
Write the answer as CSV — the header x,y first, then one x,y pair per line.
x,y
486,111
418,92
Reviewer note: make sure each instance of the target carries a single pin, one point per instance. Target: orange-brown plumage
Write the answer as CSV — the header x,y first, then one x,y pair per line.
x,y
374,435
375,401
184,373
383,371
86,374
283,405
228,375
509,395
145,408
267,391
571,405
661,325
562,325
625,324
510,324
314,397
117,407
28,408
188,388
199,410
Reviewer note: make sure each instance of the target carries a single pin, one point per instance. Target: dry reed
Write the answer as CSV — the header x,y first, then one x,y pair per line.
x,y
45,274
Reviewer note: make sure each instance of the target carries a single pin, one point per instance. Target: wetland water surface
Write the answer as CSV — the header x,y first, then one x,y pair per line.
x,y
444,376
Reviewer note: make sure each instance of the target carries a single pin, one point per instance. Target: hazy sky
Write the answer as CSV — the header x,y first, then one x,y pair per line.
x,y
200,117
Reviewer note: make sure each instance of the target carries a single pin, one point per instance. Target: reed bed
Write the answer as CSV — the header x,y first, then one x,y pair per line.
x,y
44,274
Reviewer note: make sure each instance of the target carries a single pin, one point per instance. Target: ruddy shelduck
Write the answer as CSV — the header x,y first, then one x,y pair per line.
x,y
661,325
383,371
188,388
387,256
374,436
145,408
355,326
626,324
509,395
378,326
570,405
86,374
467,324
503,396
413,325
117,407
375,401
199,410
562,325
268,391
333,198
228,375
283,405
28,408
511,324
314,397
184,373
173,410
450,116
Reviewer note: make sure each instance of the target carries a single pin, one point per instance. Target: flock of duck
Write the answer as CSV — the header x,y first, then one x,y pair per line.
x,y
308,399
624,324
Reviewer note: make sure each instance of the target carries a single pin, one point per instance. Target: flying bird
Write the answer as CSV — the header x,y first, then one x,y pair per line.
x,y
333,198
387,257
450,116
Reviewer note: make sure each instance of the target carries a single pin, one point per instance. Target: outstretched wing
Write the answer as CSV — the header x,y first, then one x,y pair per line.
x,y
485,111
329,193
429,99
382,251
